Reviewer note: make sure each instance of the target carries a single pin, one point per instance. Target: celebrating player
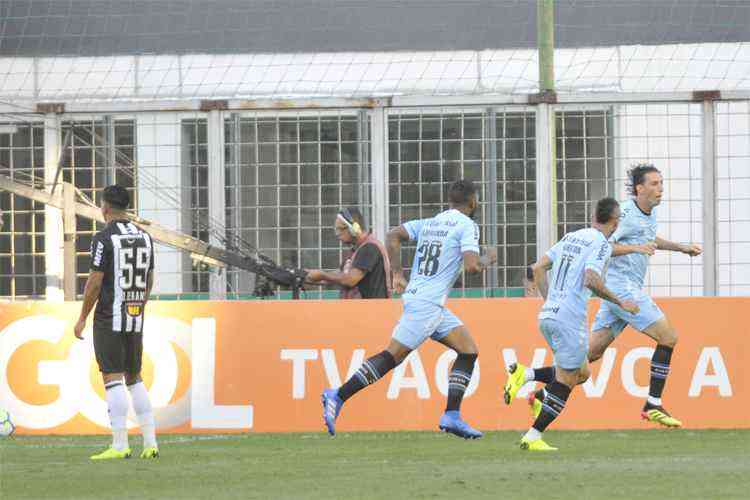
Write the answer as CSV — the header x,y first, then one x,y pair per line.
x,y
633,243
120,281
444,242
577,262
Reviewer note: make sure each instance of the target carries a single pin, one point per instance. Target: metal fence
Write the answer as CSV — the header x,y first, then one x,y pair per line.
x,y
276,177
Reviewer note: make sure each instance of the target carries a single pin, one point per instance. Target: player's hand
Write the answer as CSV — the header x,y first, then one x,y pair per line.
x,y
78,329
692,250
313,275
630,307
491,254
398,282
647,248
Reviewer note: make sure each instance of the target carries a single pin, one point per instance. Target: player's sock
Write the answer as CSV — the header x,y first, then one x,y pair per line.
x,y
545,374
659,371
555,396
370,372
145,414
539,395
459,379
117,401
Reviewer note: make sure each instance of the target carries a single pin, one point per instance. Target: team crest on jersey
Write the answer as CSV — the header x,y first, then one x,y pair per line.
x,y
134,309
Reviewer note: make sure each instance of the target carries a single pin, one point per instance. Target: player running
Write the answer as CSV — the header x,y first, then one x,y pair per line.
x,y
444,242
120,281
633,243
577,262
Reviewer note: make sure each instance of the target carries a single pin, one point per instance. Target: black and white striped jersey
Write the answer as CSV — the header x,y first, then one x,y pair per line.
x,y
125,254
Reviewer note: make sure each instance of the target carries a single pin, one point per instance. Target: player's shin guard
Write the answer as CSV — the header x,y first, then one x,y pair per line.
x,y
659,371
555,396
459,379
372,370
144,412
117,402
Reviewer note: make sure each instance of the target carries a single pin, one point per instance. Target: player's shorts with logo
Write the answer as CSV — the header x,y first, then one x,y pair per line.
x,y
422,319
117,352
570,345
616,318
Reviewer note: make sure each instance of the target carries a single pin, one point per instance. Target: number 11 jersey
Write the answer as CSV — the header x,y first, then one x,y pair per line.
x,y
571,257
441,242
125,254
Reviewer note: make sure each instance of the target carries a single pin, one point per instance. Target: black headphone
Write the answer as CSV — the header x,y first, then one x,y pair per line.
x,y
346,217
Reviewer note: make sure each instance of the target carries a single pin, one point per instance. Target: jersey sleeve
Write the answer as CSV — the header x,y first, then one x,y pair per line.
x,y
99,254
367,258
624,229
554,253
414,227
598,257
470,238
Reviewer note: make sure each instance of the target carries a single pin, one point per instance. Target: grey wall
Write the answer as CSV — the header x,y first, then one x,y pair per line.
x,y
96,28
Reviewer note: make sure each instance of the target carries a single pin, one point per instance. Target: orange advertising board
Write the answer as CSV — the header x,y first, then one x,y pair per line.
x,y
261,366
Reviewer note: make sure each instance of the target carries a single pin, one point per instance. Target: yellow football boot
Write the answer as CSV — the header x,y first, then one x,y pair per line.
x,y
112,454
516,379
659,415
536,445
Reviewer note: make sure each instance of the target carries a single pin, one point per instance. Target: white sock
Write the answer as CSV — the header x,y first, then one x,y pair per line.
x,y
532,435
145,414
528,375
654,401
117,401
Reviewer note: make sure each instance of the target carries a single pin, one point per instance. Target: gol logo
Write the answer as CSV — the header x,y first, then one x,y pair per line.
x,y
180,391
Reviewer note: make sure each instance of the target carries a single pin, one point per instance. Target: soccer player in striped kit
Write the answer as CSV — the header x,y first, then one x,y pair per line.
x,y
119,283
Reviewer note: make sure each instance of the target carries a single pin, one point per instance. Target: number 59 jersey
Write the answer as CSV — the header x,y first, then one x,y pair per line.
x,y
571,257
125,254
441,242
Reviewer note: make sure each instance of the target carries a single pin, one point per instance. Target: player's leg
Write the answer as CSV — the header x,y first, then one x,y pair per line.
x,y
605,329
139,395
374,368
110,355
570,348
519,375
666,339
417,322
452,333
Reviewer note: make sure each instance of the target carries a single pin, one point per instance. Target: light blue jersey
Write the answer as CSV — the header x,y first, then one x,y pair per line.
x,y
441,242
627,273
571,257
636,228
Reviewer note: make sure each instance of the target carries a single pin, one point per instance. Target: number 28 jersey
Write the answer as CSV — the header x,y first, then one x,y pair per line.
x,y
125,254
571,257
441,242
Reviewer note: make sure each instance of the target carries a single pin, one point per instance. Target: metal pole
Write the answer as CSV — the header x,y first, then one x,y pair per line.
x,y
546,158
53,223
710,262
379,172
546,189
491,172
545,36
69,245
216,194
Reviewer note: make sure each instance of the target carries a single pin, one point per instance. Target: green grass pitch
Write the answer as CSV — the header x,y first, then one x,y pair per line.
x,y
660,464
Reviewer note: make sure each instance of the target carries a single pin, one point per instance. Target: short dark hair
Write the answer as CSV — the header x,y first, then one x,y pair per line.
x,y
461,192
117,197
352,214
637,175
605,210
